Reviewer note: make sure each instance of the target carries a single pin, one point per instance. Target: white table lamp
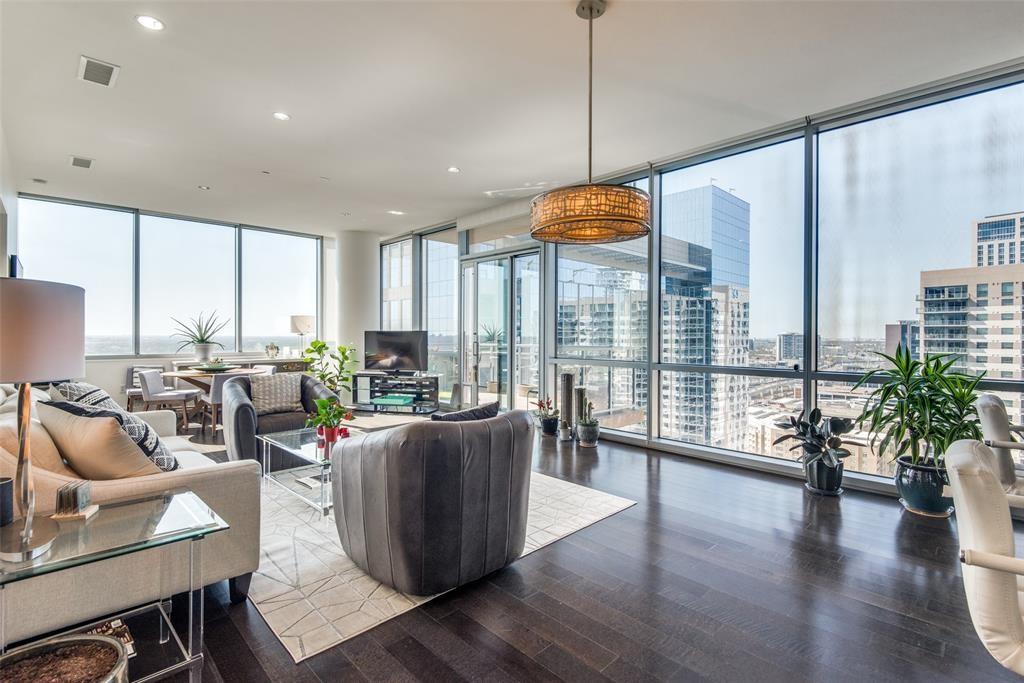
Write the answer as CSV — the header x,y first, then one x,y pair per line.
x,y
303,325
42,338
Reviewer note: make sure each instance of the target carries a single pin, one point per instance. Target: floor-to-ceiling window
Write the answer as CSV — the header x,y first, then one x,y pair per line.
x,y
396,286
90,247
185,267
441,306
731,297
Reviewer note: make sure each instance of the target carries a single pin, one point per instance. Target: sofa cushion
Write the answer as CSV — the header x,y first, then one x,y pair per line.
x,y
479,413
144,436
95,445
189,460
45,454
277,393
280,422
84,393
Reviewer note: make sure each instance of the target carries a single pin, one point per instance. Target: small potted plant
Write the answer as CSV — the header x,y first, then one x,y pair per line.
x,y
588,429
327,419
823,452
199,333
917,411
547,415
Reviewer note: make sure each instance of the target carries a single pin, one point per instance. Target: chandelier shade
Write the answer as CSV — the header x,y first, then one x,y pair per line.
x,y
591,214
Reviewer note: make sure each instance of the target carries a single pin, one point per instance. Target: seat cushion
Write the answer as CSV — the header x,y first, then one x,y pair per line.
x,y
280,422
144,436
188,460
279,393
45,454
84,393
96,446
479,413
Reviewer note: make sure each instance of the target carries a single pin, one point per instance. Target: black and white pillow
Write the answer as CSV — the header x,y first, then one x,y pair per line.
x,y
144,436
84,393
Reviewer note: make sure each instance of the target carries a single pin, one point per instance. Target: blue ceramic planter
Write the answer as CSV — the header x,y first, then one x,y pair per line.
x,y
920,488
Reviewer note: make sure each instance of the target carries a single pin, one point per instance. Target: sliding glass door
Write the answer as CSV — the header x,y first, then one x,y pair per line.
x,y
501,330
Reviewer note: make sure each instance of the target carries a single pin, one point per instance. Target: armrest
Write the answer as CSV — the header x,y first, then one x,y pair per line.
x,y
163,422
1013,445
1015,500
312,389
239,421
1001,563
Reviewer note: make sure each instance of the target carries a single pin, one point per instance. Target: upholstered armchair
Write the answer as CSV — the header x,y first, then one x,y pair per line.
x,y
990,565
241,424
429,506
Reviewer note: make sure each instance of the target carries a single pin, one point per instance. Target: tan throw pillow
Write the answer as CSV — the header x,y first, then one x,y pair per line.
x,y
44,452
95,447
278,393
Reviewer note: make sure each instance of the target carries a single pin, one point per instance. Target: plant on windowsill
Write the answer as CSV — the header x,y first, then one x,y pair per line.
x,y
822,445
327,419
917,411
333,369
199,333
547,415
588,429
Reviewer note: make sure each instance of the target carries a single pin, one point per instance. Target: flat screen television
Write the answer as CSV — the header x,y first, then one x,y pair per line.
x,y
391,351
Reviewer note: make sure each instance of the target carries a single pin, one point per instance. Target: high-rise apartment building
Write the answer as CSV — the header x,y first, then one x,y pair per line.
x,y
905,333
789,346
976,312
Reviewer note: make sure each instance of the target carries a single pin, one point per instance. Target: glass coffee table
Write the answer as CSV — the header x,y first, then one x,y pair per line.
x,y
307,474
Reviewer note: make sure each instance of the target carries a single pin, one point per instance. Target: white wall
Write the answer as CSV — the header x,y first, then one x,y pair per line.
x,y
358,286
8,185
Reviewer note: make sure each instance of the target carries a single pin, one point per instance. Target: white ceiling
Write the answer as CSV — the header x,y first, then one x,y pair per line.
x,y
384,96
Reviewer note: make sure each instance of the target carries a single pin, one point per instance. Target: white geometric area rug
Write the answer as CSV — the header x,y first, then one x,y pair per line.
x,y
313,596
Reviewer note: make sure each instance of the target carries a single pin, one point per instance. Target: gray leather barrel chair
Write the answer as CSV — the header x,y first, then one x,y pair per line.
x,y
241,424
429,506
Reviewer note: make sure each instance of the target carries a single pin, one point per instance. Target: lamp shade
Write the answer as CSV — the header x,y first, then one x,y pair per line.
x,y
42,331
591,214
303,324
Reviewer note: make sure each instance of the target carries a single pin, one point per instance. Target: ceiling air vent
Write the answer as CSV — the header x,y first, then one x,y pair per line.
x,y
95,71
81,162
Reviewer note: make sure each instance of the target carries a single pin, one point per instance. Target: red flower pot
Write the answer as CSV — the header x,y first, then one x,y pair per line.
x,y
332,434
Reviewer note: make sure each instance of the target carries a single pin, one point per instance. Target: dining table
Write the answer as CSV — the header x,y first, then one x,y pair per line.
x,y
202,379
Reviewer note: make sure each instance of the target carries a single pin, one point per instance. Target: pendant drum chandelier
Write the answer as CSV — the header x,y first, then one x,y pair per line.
x,y
594,213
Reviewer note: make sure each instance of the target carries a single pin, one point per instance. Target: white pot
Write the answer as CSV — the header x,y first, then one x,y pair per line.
x,y
204,352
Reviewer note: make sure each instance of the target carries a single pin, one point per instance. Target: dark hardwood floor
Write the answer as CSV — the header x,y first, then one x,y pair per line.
x,y
715,574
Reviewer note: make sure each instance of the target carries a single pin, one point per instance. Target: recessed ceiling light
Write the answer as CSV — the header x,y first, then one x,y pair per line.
x,y
152,23
281,116
203,187
41,181
396,213
454,169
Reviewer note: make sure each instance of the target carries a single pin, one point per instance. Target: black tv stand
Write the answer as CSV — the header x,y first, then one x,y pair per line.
x,y
396,392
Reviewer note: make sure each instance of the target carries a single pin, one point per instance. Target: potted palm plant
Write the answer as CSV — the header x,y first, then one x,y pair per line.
x,y
547,415
199,333
916,412
821,441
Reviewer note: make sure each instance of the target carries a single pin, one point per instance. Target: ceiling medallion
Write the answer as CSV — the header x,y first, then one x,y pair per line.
x,y
594,213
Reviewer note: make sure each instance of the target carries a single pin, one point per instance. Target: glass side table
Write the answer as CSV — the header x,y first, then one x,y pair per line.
x,y
121,529
310,478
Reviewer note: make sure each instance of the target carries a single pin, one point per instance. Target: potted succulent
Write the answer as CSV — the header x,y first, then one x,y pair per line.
x,y
588,429
917,411
199,333
547,415
332,368
823,452
327,419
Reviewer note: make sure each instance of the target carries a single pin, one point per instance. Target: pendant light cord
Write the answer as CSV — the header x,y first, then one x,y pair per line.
x,y
590,96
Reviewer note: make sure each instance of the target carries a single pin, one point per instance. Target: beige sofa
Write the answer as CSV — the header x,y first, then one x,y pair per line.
x,y
53,601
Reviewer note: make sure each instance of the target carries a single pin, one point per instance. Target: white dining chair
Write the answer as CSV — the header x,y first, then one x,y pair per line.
x,y
131,382
998,434
155,394
212,402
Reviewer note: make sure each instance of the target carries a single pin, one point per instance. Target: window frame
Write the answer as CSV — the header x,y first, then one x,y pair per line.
x,y
238,266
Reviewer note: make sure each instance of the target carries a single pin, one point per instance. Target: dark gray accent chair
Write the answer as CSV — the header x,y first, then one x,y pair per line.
x,y
429,506
241,424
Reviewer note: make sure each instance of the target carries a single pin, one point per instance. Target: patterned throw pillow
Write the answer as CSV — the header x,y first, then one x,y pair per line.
x,y
278,393
479,413
141,433
84,393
